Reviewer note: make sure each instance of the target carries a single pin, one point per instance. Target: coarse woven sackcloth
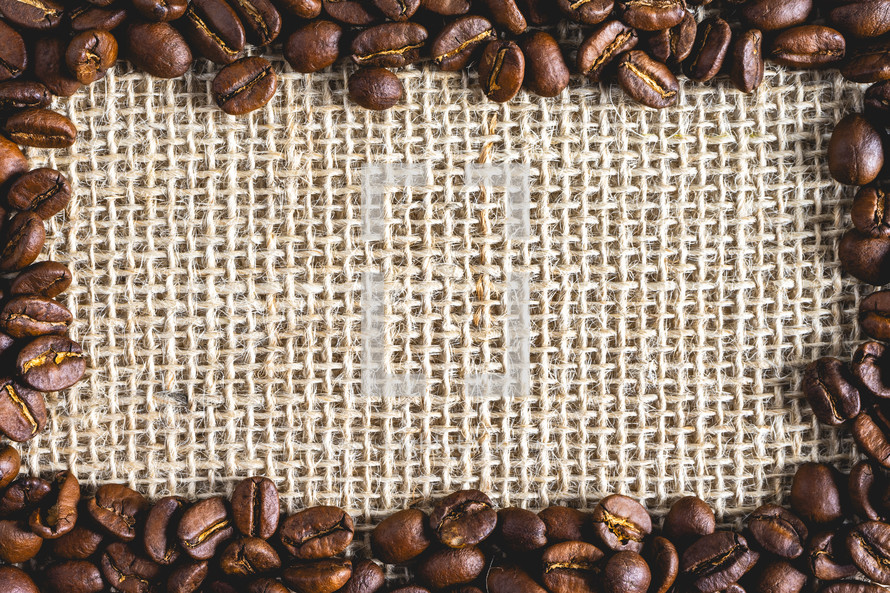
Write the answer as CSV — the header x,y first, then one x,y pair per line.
x,y
683,272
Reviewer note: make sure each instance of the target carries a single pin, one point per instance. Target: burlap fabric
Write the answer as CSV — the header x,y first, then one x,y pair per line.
x,y
682,263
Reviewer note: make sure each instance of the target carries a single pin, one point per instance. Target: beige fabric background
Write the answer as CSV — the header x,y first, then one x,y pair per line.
x,y
683,268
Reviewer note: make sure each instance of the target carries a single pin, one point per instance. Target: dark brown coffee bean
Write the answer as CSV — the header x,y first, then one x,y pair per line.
x,y
808,46
865,483
10,463
687,520
874,315
321,576
397,10
30,316
90,54
520,530
447,7
35,15
626,572
868,64
40,128
460,40
214,30
747,61
675,44
23,495
12,162
463,518
375,88
128,572
664,563
539,12
249,556
871,431
777,576
161,525
586,12
565,524
18,544
161,11
871,367
572,567
621,523
778,531
870,213
866,258
158,49
188,577
546,72
51,363
877,102
711,46
46,278
22,242
118,510
304,9
317,532
647,81
869,546
73,576
87,17
401,537
449,567
827,556
13,53
359,13
57,513
602,47
267,585
652,15
507,14
816,494
775,15
390,45
367,577
22,411
501,70
261,20
511,579
44,191
50,68
862,19
852,587
244,85
856,151
15,580
830,388
255,507
22,94
314,46
78,544
717,560
203,527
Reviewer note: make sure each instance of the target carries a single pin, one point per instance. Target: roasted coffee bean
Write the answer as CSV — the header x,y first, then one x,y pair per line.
x,y
747,61
717,560
161,11
44,191
460,40
546,72
10,463
652,15
870,213
675,44
871,431
73,576
539,12
827,556
51,363
621,523
862,19
664,564
401,537
317,532
35,15
158,49
160,529
118,510
23,495
856,151
874,315
90,54
447,7
40,128
124,570
261,20
626,572
244,85
565,524
507,14
267,585
57,513
808,46
304,9
22,411
397,10
852,587
816,494
777,576
375,88
520,530
390,45
203,527
501,70
15,580
877,102
22,94
687,520
78,544
463,518
778,531
50,68
586,12
30,316
865,483
572,567
647,81
359,13
214,30
18,543
367,577
602,47
46,278
321,576
188,577
255,507
775,15
869,545
13,53
314,46
12,162
87,17
866,258
868,64
511,579
711,46
449,567
871,367
249,556
830,388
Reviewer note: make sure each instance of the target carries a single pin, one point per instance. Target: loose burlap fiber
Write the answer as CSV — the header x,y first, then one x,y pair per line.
x,y
683,272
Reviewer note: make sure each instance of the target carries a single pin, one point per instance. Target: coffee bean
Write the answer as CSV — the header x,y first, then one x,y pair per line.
x,y
829,386
51,363
57,513
22,411
390,45
747,61
865,483
255,507
267,585
862,19
869,545
261,20
12,162
46,278
546,72
565,524
508,15
711,46
161,525
351,12
22,242
511,579
22,94
827,556
35,15
775,15
78,544
15,580
539,12
856,151
44,191
217,585
23,495
808,46
675,44
158,49
321,576
778,531
73,576
30,316
621,523
375,88
449,567
460,40
501,70
816,494
203,527
664,563
447,7
519,530
214,30
188,577
401,537
852,587
18,544
87,17
626,572
687,520
160,11
128,572
777,576
463,518
244,85
314,46
10,463
871,367
647,81
651,15
90,54
874,315
304,9
367,577
249,556
397,10
13,53
871,431
317,532
866,258
50,68
877,102
870,63
586,12
602,47
118,510
717,560
40,128
572,567
870,213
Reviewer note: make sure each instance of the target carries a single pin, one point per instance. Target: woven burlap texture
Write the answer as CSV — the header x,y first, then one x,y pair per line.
x,y
683,272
